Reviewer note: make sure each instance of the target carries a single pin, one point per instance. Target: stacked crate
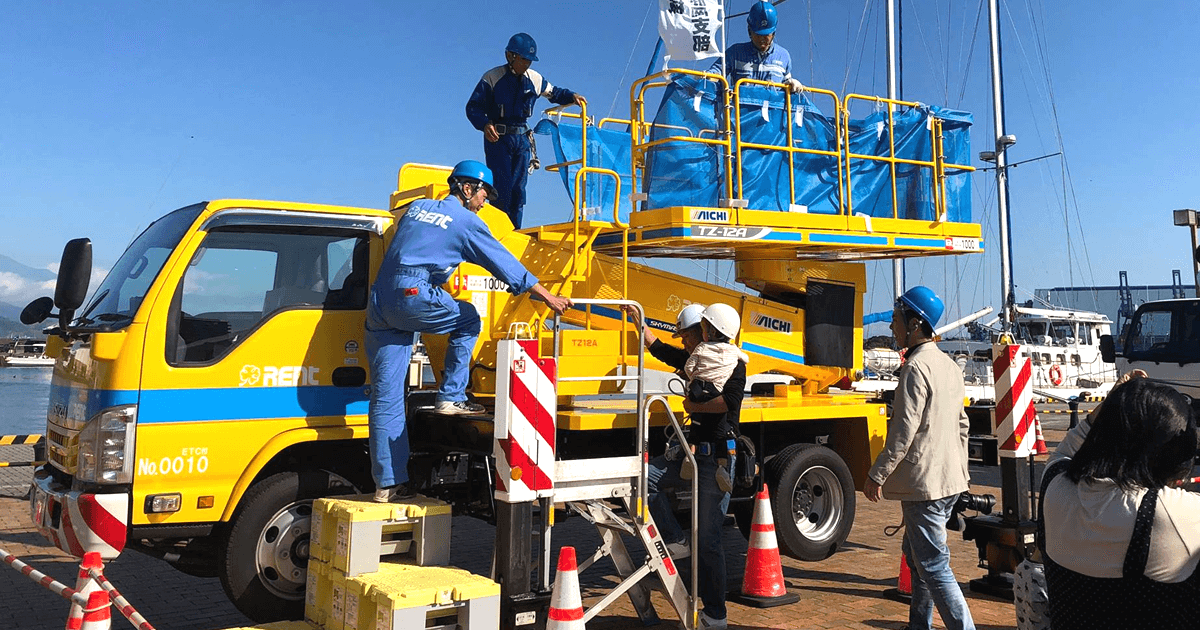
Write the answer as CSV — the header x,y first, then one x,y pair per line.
x,y
381,566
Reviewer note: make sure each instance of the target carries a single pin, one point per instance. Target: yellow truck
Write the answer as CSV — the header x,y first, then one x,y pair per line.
x,y
217,382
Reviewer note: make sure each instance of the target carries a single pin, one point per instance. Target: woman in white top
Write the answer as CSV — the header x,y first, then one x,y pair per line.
x,y
1122,540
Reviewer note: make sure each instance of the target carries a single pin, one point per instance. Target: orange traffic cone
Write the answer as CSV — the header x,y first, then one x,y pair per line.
x,y
762,583
96,615
1039,446
904,581
566,604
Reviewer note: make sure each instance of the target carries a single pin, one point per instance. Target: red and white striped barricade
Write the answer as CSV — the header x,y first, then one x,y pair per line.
x,y
1017,429
526,406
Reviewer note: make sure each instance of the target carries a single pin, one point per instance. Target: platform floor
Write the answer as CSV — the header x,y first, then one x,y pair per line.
x,y
847,591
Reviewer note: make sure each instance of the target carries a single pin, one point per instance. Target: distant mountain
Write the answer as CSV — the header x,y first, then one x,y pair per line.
x,y
11,327
25,271
10,311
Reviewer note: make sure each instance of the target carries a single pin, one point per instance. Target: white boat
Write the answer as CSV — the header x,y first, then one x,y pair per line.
x,y
1063,347
26,353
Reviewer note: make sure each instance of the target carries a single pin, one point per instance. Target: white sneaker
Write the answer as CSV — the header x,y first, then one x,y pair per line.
x,y
710,623
394,493
679,550
457,408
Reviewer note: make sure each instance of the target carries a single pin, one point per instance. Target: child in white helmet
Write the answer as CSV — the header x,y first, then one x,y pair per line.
x,y
711,364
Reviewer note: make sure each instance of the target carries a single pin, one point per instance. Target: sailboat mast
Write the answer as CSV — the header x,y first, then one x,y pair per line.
x,y
893,93
1003,141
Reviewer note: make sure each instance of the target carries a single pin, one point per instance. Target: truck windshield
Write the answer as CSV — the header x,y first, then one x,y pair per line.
x,y
119,296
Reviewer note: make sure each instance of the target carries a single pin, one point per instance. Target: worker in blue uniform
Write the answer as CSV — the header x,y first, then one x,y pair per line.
x,y
760,58
432,238
500,107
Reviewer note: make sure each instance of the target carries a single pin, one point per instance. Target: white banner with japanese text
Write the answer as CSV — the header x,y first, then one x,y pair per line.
x,y
689,28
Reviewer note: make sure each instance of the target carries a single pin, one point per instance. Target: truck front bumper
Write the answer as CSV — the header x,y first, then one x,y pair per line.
x,y
78,522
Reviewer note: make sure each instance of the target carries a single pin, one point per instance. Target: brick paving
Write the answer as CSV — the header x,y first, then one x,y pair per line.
x,y
847,591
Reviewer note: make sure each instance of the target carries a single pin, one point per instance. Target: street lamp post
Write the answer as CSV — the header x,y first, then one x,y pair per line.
x,y
1188,217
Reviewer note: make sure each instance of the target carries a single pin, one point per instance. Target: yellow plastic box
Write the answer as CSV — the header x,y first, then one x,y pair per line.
x,y
433,598
324,596
280,625
352,534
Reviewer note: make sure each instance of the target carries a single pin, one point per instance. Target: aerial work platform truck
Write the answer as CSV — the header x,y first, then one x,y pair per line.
x,y
217,383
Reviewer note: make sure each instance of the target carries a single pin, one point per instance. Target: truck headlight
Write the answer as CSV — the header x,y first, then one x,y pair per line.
x,y
106,446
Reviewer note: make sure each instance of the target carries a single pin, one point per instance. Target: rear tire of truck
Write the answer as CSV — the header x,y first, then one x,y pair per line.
x,y
264,564
812,501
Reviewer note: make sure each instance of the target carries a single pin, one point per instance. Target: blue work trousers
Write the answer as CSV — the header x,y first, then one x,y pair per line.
x,y
928,556
710,517
393,318
508,158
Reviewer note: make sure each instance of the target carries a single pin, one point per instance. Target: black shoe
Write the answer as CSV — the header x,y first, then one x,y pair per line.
x,y
458,408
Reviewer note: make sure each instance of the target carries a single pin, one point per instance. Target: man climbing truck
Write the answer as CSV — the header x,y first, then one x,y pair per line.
x,y
217,383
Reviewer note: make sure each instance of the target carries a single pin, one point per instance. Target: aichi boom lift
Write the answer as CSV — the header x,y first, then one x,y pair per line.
x,y
603,414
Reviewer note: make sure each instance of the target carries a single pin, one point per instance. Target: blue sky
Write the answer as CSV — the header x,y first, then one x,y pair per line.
x,y
117,112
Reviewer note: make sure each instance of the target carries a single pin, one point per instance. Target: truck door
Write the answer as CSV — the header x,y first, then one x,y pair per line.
x,y
1164,340
259,343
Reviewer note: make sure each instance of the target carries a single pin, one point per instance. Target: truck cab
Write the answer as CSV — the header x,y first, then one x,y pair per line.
x,y
213,386
1162,339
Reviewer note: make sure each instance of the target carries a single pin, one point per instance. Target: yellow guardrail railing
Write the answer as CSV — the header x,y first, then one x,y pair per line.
x,y
640,128
790,149
937,161
727,137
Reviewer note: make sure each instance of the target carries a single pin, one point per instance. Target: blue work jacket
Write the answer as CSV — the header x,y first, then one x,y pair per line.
x,y
504,97
743,61
439,235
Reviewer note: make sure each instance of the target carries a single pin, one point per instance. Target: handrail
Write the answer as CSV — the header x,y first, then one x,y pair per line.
x,y
638,126
791,150
695,500
643,423
937,161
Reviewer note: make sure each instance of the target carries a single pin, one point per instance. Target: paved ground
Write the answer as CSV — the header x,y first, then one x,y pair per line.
x,y
847,591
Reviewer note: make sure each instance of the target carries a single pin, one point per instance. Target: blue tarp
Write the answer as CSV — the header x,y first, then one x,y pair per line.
x,y
607,148
692,174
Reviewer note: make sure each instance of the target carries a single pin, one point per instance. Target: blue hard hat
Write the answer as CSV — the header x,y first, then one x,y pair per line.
x,y
473,170
762,18
523,44
924,302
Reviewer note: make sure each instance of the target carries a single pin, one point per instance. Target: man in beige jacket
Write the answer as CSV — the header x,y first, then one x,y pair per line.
x,y
924,460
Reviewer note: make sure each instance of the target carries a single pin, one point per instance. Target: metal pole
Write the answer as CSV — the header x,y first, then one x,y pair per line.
x,y
1195,261
897,263
1006,283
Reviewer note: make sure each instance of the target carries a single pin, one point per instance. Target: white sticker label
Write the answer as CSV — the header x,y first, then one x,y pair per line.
x,y
958,243
485,283
480,301
710,215
525,618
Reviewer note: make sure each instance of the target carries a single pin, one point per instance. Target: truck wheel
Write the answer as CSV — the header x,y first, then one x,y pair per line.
x,y
1030,596
812,501
264,565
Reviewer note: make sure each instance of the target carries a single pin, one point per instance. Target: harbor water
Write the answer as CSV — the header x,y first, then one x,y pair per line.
x,y
24,392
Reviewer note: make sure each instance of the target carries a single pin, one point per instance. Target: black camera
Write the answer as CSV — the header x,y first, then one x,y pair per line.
x,y
983,503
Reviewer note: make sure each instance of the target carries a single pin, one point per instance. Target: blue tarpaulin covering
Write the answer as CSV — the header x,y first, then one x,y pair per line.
x,y
607,148
692,174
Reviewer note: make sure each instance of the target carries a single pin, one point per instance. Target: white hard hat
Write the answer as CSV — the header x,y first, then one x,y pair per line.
x,y
724,318
688,316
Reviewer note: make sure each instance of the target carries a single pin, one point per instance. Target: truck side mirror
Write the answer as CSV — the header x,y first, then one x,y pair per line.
x,y
37,311
1108,351
74,272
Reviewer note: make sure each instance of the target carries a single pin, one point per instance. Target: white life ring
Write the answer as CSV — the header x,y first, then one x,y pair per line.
x,y
1056,375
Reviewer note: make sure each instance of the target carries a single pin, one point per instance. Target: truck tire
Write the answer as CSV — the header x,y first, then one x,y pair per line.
x,y
812,501
1030,596
264,564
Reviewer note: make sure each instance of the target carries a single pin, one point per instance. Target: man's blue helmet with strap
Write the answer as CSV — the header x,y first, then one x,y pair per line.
x,y
762,18
522,44
476,171
924,302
